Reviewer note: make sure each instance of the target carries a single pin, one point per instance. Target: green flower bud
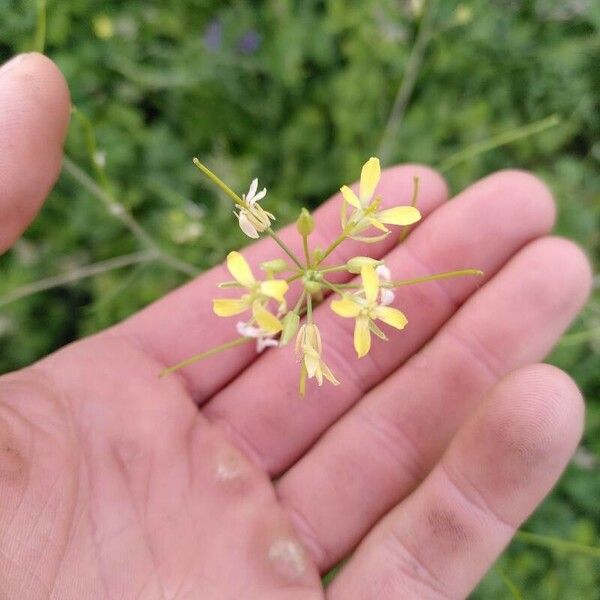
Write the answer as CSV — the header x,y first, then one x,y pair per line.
x,y
305,223
354,265
290,327
274,266
312,287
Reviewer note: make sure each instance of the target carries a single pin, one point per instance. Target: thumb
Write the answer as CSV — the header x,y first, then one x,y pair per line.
x,y
34,114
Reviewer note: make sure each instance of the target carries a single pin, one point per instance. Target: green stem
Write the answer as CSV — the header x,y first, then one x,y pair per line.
x,y
558,544
117,210
337,288
39,39
203,355
395,284
79,273
332,269
299,303
283,246
413,202
332,247
306,252
309,308
219,182
502,139
407,85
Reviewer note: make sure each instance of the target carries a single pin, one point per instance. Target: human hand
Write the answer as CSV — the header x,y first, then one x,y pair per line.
x,y
221,482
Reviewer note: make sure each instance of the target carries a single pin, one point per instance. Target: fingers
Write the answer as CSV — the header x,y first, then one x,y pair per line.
x,y
483,227
183,323
442,539
34,114
399,431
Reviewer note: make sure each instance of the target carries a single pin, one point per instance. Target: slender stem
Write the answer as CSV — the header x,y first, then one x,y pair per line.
x,y
407,85
512,588
337,288
413,202
309,308
283,246
579,337
219,183
203,355
39,40
294,277
332,247
502,139
332,269
395,284
118,211
78,274
306,252
299,303
558,544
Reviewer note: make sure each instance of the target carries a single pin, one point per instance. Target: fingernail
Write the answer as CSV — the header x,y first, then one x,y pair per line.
x,y
12,63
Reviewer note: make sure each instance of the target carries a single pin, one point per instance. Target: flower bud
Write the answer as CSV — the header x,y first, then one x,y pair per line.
x,y
290,327
354,265
274,266
305,223
312,287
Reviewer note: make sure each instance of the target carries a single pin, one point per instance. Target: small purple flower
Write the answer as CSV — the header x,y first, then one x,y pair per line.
x,y
250,42
213,35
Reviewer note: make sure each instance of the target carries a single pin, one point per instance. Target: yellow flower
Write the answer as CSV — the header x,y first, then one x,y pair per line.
x,y
366,310
310,348
252,217
366,208
259,293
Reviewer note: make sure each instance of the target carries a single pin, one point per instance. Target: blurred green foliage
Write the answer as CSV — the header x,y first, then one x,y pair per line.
x,y
299,92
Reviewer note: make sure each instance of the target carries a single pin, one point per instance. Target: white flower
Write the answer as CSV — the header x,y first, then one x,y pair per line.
x,y
251,198
253,219
385,294
263,339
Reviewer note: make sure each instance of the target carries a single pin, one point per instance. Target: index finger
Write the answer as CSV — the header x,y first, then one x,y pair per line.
x,y
34,114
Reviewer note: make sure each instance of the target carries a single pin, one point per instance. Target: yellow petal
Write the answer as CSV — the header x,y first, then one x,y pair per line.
x,y
370,283
328,374
226,307
240,270
362,336
350,196
266,321
370,239
274,288
345,307
378,225
400,215
392,316
369,178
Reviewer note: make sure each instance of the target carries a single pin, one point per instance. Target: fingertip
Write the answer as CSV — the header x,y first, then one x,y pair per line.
x,y
34,116
533,201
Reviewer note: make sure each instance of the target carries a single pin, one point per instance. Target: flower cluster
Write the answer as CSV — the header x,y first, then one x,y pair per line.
x,y
291,287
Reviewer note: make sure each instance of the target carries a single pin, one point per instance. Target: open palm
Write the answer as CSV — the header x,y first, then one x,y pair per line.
x,y
221,482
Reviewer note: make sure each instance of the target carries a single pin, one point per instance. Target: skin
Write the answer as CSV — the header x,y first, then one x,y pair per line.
x,y
220,482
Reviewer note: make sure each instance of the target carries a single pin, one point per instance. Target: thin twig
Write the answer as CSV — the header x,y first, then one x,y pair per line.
x,y
407,85
78,274
558,544
118,210
502,139
39,38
